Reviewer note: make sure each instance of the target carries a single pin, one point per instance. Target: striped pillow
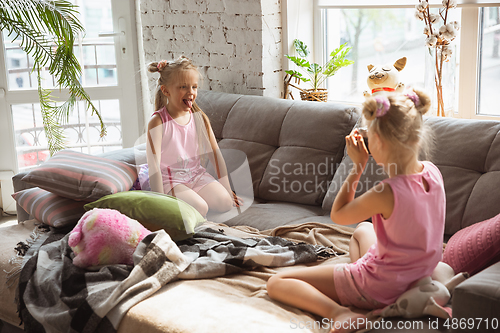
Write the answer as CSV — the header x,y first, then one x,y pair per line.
x,y
83,177
49,208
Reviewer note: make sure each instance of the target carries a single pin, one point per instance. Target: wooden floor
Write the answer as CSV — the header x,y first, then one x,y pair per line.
x,y
7,220
4,327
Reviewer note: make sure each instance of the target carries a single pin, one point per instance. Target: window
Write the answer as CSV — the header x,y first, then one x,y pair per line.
x,y
382,31
489,71
107,56
376,41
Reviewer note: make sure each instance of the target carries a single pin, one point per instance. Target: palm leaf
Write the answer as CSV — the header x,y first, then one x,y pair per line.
x,y
47,31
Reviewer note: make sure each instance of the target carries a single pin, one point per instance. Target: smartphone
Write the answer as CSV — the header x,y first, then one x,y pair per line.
x,y
364,133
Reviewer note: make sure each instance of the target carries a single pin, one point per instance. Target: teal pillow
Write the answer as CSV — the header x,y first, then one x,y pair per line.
x,y
154,211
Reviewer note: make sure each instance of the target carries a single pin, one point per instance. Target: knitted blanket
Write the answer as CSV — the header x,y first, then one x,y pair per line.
x,y
56,296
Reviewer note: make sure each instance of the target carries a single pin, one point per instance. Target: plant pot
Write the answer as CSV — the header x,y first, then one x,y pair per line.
x,y
320,95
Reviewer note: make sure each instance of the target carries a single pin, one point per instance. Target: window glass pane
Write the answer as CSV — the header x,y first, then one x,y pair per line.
x,y
97,59
377,36
489,46
31,144
81,131
98,55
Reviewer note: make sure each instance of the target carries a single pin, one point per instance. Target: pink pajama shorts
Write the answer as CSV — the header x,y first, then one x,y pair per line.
x,y
195,184
348,292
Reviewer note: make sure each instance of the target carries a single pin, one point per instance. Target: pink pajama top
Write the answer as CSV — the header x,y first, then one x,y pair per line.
x,y
410,242
180,162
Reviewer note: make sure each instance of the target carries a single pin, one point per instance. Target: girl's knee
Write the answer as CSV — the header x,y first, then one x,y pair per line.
x,y
272,283
199,204
202,207
222,203
226,203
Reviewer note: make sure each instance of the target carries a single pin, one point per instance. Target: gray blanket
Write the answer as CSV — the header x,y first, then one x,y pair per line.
x,y
78,300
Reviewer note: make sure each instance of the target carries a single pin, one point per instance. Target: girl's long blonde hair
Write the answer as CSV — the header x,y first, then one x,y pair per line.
x,y
168,71
402,124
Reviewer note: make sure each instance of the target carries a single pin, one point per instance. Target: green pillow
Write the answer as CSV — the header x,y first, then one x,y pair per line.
x,y
154,211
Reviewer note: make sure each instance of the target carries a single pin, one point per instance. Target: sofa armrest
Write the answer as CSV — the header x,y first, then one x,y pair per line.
x,y
477,299
19,185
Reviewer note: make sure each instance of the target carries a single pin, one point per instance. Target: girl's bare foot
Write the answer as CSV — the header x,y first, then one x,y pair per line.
x,y
348,321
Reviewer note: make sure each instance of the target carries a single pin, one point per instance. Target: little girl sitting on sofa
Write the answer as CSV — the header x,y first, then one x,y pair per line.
x,y
179,137
404,243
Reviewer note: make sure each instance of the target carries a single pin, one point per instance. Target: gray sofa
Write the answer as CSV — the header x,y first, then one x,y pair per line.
x,y
295,151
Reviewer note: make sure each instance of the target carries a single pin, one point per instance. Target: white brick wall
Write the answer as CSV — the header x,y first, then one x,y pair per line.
x,y
235,43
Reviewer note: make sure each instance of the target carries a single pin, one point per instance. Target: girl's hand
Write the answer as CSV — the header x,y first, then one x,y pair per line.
x,y
356,149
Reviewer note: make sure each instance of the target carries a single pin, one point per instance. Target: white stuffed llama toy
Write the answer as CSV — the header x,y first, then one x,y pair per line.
x,y
385,78
427,297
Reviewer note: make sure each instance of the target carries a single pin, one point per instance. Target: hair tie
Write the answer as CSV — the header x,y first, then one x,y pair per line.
x,y
413,96
162,64
383,106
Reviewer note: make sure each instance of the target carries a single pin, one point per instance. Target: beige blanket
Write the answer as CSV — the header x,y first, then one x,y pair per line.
x,y
235,303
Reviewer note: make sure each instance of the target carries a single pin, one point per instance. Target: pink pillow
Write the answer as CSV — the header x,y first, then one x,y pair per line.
x,y
475,247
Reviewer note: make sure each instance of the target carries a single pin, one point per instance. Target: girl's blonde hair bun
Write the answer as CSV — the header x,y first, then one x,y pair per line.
x,y
153,67
424,104
398,118
370,109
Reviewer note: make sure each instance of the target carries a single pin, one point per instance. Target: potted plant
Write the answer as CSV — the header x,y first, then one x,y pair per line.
x,y
47,32
317,74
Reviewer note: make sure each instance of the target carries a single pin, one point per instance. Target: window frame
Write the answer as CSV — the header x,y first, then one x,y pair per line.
x,y
127,90
469,76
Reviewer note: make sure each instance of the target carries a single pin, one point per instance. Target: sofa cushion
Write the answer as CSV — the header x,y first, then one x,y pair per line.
x,y
216,106
470,169
467,154
371,176
479,298
80,176
256,119
312,141
258,155
134,155
268,215
298,174
282,132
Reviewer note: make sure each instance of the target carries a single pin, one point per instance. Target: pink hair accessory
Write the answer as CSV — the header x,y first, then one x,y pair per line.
x,y
413,96
162,64
383,106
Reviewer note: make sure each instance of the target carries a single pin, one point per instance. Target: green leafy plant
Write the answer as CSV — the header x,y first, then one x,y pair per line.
x,y
47,30
318,74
